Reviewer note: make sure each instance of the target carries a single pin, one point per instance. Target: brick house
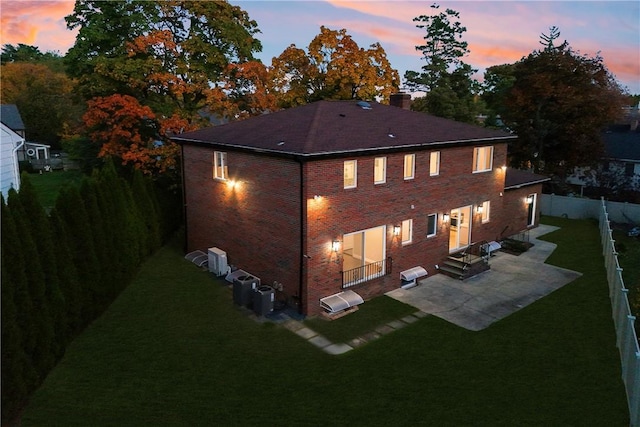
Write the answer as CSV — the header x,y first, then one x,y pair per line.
x,y
339,195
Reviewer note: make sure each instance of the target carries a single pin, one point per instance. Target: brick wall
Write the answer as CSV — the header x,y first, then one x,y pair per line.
x,y
341,211
515,217
259,224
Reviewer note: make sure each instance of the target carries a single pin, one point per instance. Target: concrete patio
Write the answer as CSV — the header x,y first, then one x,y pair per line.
x,y
513,282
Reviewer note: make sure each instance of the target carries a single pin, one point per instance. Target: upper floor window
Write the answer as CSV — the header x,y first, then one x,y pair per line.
x,y
407,231
220,170
409,166
482,158
350,173
434,163
380,170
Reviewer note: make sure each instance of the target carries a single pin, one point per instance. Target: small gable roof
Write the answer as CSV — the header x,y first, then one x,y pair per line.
x,y
10,116
341,127
516,178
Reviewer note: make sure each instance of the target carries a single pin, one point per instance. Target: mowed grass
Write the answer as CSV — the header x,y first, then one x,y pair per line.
x,y
48,184
172,350
369,316
629,258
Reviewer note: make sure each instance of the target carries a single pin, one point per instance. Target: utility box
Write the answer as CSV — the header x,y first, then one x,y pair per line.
x,y
243,289
217,261
263,299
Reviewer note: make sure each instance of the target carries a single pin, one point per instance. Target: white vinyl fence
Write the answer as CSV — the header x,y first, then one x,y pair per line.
x,y
580,208
626,337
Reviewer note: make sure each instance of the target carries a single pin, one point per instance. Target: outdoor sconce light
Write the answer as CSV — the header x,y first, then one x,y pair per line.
x,y
233,184
529,200
335,245
479,209
503,167
316,197
396,230
445,217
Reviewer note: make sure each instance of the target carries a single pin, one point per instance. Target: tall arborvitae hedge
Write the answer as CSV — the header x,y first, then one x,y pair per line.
x,y
19,377
43,238
73,213
42,344
62,270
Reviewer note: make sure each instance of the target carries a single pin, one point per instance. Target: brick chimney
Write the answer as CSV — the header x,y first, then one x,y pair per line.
x,y
401,100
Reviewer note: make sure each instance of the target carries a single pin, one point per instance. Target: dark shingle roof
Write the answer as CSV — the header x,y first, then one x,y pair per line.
x,y
10,116
334,127
516,178
623,145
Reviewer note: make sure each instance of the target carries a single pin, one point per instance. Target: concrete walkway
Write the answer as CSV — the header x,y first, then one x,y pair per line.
x,y
512,282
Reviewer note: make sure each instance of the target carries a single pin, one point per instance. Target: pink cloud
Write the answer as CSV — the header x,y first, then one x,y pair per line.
x,y
37,23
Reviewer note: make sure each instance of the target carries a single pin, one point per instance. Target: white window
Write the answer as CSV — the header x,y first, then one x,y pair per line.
x,y
432,222
485,209
407,231
409,166
350,173
220,170
434,163
482,159
380,170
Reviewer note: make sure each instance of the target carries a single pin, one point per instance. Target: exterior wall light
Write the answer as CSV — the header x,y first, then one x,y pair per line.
x,y
396,230
504,168
335,245
316,197
445,217
479,209
529,199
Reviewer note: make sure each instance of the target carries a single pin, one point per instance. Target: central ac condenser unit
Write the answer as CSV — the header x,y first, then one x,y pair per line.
x,y
218,261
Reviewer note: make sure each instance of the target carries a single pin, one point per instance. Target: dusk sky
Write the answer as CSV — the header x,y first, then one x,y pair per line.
x,y
498,32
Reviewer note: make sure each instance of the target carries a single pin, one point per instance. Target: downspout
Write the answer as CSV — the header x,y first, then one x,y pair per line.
x,y
303,259
184,201
16,171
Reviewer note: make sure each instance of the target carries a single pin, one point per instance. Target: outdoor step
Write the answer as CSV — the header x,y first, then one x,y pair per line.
x,y
452,272
454,262
471,259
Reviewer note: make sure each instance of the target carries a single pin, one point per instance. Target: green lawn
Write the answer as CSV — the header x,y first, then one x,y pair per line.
x,y
628,256
48,184
172,350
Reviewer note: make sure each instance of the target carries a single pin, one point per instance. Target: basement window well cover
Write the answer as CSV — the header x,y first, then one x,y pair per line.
x,y
340,301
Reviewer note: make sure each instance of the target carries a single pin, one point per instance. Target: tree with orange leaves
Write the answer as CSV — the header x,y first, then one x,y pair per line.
x,y
170,55
132,133
335,67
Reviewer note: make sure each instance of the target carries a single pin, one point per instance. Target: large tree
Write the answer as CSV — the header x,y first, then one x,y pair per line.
x,y
167,54
445,78
334,67
558,101
44,98
133,134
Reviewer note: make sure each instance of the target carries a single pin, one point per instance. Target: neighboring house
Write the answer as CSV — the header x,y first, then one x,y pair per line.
x,y
619,170
9,169
38,155
346,195
10,116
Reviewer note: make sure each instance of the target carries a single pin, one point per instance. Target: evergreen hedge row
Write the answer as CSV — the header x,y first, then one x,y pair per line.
x,y
61,270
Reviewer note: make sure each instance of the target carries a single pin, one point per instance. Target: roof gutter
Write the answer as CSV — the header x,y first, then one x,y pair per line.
x,y
342,152
526,184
